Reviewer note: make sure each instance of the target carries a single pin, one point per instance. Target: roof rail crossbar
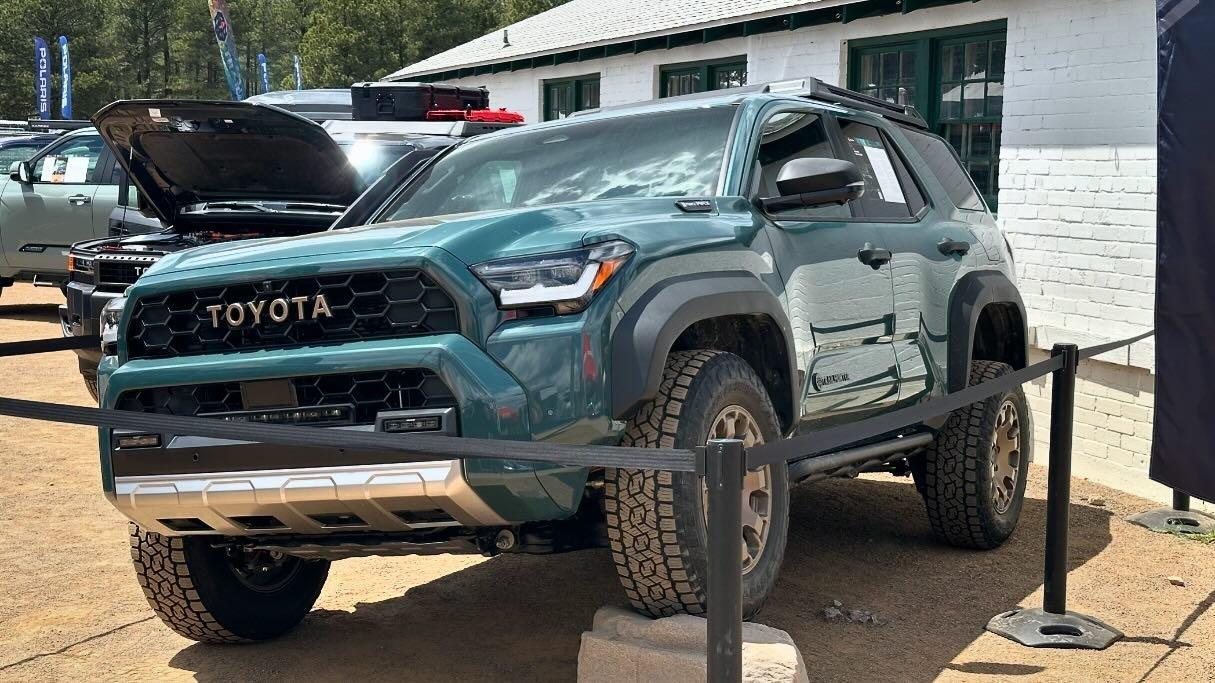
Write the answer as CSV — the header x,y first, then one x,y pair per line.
x,y
813,88
57,124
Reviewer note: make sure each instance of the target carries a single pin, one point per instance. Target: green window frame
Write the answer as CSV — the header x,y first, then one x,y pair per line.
x,y
954,77
693,77
565,96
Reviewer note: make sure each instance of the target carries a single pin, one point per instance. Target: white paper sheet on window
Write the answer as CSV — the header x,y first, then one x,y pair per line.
x,y
46,173
78,170
888,181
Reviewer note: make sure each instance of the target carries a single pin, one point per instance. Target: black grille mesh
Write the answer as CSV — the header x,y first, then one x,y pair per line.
x,y
366,392
367,305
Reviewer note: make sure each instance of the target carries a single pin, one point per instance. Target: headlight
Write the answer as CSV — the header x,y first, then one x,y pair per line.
x,y
80,264
564,280
111,315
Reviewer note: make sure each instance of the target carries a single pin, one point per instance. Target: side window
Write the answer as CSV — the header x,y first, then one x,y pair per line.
x,y
13,153
71,162
944,164
885,195
785,137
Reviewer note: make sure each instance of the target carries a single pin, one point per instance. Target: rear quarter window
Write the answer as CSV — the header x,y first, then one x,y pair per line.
x,y
944,164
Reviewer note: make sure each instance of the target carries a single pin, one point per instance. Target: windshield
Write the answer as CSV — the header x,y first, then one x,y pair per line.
x,y
370,158
664,154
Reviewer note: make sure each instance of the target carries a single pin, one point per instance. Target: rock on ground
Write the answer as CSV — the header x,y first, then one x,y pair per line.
x,y
625,646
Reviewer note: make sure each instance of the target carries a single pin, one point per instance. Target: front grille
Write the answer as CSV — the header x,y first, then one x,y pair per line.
x,y
366,305
110,271
367,393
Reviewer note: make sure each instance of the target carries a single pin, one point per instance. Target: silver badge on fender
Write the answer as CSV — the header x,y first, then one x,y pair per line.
x,y
276,310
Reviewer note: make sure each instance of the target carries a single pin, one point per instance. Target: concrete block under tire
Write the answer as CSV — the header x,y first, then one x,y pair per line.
x,y
626,646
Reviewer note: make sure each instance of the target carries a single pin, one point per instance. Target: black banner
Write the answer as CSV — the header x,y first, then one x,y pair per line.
x,y
1183,439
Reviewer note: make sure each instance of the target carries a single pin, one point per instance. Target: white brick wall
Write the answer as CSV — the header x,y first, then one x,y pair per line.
x,y
1077,175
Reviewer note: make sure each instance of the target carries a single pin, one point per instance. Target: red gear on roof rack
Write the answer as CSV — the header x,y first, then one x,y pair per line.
x,y
478,115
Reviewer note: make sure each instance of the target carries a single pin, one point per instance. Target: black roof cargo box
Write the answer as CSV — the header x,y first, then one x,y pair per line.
x,y
391,101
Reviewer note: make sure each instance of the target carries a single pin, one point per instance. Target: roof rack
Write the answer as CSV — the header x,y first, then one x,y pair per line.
x,y
814,89
57,124
809,88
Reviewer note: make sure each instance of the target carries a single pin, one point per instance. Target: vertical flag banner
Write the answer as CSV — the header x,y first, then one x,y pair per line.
x,y
299,75
42,78
263,71
65,79
226,40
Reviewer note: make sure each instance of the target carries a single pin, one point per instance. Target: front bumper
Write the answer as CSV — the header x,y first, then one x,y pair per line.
x,y
215,480
80,316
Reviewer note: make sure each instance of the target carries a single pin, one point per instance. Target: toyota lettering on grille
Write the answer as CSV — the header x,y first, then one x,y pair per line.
x,y
277,310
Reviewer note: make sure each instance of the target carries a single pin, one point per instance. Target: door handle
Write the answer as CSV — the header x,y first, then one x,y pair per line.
x,y
79,199
873,256
947,247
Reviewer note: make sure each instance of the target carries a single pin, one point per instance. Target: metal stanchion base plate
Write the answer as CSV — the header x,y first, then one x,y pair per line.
x,y
1038,628
1167,519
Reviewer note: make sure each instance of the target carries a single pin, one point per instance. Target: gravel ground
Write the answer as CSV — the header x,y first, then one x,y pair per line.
x,y
70,607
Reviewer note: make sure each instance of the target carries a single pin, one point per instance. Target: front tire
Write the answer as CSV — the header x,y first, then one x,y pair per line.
x,y
973,475
656,519
90,383
209,594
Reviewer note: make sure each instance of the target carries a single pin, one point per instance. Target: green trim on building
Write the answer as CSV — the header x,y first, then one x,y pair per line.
x,y
782,22
709,74
954,77
565,96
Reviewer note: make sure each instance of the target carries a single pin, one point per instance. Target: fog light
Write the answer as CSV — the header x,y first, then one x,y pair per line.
x,y
138,441
430,423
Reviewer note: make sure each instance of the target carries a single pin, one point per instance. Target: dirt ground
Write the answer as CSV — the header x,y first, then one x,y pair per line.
x,y
70,607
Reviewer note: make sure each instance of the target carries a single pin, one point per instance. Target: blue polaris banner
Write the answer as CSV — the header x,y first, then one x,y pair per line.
x,y
299,74
42,78
65,79
1184,431
263,72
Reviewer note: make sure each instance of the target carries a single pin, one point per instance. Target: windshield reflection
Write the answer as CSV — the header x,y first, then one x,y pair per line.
x,y
662,154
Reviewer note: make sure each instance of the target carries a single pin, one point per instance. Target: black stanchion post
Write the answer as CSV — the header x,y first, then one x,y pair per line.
x,y
1176,519
725,467
1181,501
1059,478
1053,625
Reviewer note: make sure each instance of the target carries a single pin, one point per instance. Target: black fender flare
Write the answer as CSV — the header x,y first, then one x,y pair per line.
x,y
971,294
644,337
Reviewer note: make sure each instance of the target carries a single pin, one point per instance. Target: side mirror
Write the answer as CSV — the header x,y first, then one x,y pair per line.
x,y
21,171
816,182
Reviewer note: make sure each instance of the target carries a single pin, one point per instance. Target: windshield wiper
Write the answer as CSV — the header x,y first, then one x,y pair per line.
x,y
239,205
314,205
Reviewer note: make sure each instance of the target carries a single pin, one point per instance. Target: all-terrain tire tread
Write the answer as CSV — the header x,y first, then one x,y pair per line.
x,y
951,489
656,571
160,565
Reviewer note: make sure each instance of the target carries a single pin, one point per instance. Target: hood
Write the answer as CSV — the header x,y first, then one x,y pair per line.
x,y
472,238
183,152
156,241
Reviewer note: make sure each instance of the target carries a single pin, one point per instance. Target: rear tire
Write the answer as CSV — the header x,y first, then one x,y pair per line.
x,y
973,475
656,519
201,593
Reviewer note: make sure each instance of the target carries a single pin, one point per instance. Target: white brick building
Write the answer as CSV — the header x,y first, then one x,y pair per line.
x,y
1063,140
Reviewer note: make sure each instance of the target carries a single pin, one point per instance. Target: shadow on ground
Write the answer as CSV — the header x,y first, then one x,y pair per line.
x,y
865,543
38,313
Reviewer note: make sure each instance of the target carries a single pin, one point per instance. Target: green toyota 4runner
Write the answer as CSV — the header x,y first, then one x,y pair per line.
x,y
750,263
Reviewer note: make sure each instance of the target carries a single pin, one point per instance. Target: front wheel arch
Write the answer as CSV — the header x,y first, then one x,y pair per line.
x,y
675,311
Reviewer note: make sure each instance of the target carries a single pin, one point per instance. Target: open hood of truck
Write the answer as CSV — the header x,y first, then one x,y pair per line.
x,y
181,153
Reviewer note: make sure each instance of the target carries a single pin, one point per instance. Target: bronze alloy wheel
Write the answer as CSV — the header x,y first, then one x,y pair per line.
x,y
1005,456
734,422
